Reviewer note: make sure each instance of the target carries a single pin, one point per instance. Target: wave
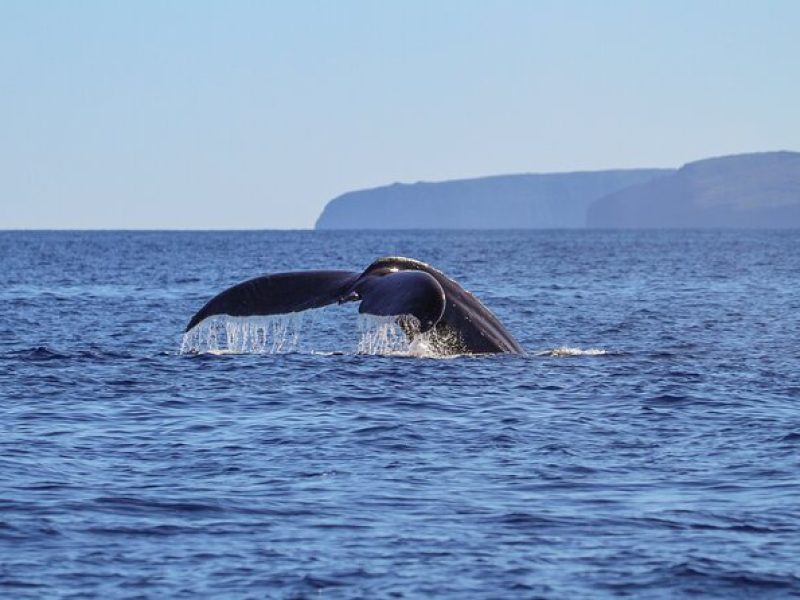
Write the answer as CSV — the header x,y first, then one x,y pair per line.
x,y
563,351
47,353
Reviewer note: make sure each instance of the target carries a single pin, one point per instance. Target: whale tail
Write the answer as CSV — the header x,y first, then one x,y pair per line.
x,y
280,293
406,293
390,286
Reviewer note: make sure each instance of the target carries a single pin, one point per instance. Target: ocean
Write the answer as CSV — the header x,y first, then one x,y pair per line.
x,y
646,445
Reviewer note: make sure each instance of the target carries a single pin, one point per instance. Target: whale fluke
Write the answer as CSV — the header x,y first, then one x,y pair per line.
x,y
391,286
277,294
414,293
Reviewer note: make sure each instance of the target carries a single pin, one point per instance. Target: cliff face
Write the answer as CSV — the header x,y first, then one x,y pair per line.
x,y
747,190
502,202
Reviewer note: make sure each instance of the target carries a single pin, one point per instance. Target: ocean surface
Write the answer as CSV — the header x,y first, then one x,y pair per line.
x,y
647,445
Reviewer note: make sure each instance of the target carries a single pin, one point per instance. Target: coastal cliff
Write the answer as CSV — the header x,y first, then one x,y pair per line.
x,y
557,200
746,190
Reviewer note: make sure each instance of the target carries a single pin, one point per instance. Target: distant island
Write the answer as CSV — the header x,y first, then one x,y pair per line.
x,y
746,190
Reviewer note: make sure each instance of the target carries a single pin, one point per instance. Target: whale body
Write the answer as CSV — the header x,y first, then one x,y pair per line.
x,y
422,298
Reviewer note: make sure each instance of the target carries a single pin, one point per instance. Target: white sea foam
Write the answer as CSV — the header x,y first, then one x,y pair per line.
x,y
569,351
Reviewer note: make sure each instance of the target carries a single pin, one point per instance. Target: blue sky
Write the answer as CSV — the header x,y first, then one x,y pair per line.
x,y
239,114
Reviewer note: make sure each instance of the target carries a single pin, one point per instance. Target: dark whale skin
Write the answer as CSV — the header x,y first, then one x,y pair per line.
x,y
392,285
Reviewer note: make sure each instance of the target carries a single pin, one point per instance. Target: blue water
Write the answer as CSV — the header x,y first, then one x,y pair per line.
x,y
647,445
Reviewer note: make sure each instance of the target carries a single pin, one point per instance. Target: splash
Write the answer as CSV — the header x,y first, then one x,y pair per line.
x,y
393,336
315,332
274,334
568,351
381,335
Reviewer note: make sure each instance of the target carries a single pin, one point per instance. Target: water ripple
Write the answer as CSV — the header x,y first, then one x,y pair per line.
x,y
646,446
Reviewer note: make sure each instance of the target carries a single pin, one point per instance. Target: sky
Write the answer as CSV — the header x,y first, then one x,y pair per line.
x,y
193,114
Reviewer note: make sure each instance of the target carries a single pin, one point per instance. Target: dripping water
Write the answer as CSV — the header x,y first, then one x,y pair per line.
x,y
316,331
274,334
